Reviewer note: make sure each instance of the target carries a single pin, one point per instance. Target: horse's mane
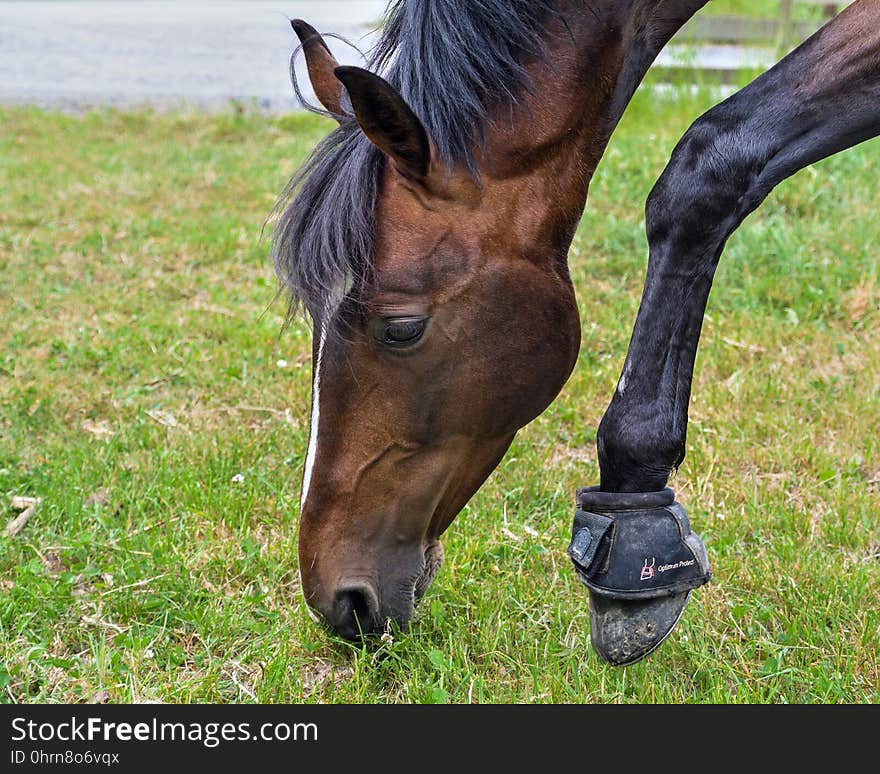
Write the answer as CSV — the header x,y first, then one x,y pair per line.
x,y
453,61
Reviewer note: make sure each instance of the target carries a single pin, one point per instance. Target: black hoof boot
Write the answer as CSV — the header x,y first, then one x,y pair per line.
x,y
636,554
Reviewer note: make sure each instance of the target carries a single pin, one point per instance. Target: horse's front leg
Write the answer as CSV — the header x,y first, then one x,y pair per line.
x,y
822,98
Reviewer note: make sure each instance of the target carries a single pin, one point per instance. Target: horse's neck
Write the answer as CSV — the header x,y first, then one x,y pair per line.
x,y
598,53
546,149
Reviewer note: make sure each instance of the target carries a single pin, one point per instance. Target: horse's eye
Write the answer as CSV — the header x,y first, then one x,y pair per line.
x,y
400,331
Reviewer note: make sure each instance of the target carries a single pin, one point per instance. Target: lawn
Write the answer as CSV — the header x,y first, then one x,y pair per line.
x,y
770,9
150,397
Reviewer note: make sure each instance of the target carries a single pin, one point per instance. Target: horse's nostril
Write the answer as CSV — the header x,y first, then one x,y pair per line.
x,y
355,611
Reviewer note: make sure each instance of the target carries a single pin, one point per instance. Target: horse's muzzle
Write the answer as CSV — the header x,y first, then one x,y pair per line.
x,y
355,610
358,607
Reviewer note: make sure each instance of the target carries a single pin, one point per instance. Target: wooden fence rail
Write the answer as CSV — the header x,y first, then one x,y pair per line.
x,y
782,30
773,36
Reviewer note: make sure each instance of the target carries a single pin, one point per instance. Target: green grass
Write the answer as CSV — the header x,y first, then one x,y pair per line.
x,y
141,398
767,9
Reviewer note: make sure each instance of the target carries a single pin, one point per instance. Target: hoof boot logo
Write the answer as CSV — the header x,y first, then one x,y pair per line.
x,y
648,570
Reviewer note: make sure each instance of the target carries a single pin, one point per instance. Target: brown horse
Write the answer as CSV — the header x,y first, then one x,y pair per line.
x,y
428,237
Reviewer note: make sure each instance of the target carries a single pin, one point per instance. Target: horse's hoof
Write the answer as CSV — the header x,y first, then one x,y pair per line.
x,y
638,557
625,631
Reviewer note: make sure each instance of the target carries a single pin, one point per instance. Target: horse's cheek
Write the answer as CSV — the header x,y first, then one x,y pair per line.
x,y
533,351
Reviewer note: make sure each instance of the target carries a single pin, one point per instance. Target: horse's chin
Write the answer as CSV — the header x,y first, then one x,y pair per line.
x,y
433,562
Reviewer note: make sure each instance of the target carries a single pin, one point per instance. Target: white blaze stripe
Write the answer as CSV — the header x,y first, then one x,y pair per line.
x,y
316,415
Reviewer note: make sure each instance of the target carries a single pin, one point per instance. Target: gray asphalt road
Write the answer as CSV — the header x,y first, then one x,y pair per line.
x,y
72,54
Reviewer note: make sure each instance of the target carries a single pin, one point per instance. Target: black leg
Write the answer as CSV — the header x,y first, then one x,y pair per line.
x,y
822,98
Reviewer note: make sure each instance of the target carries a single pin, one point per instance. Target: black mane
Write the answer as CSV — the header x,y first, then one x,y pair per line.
x,y
453,61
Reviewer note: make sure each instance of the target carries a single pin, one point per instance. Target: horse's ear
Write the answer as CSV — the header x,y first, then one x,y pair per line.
x,y
388,122
321,64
